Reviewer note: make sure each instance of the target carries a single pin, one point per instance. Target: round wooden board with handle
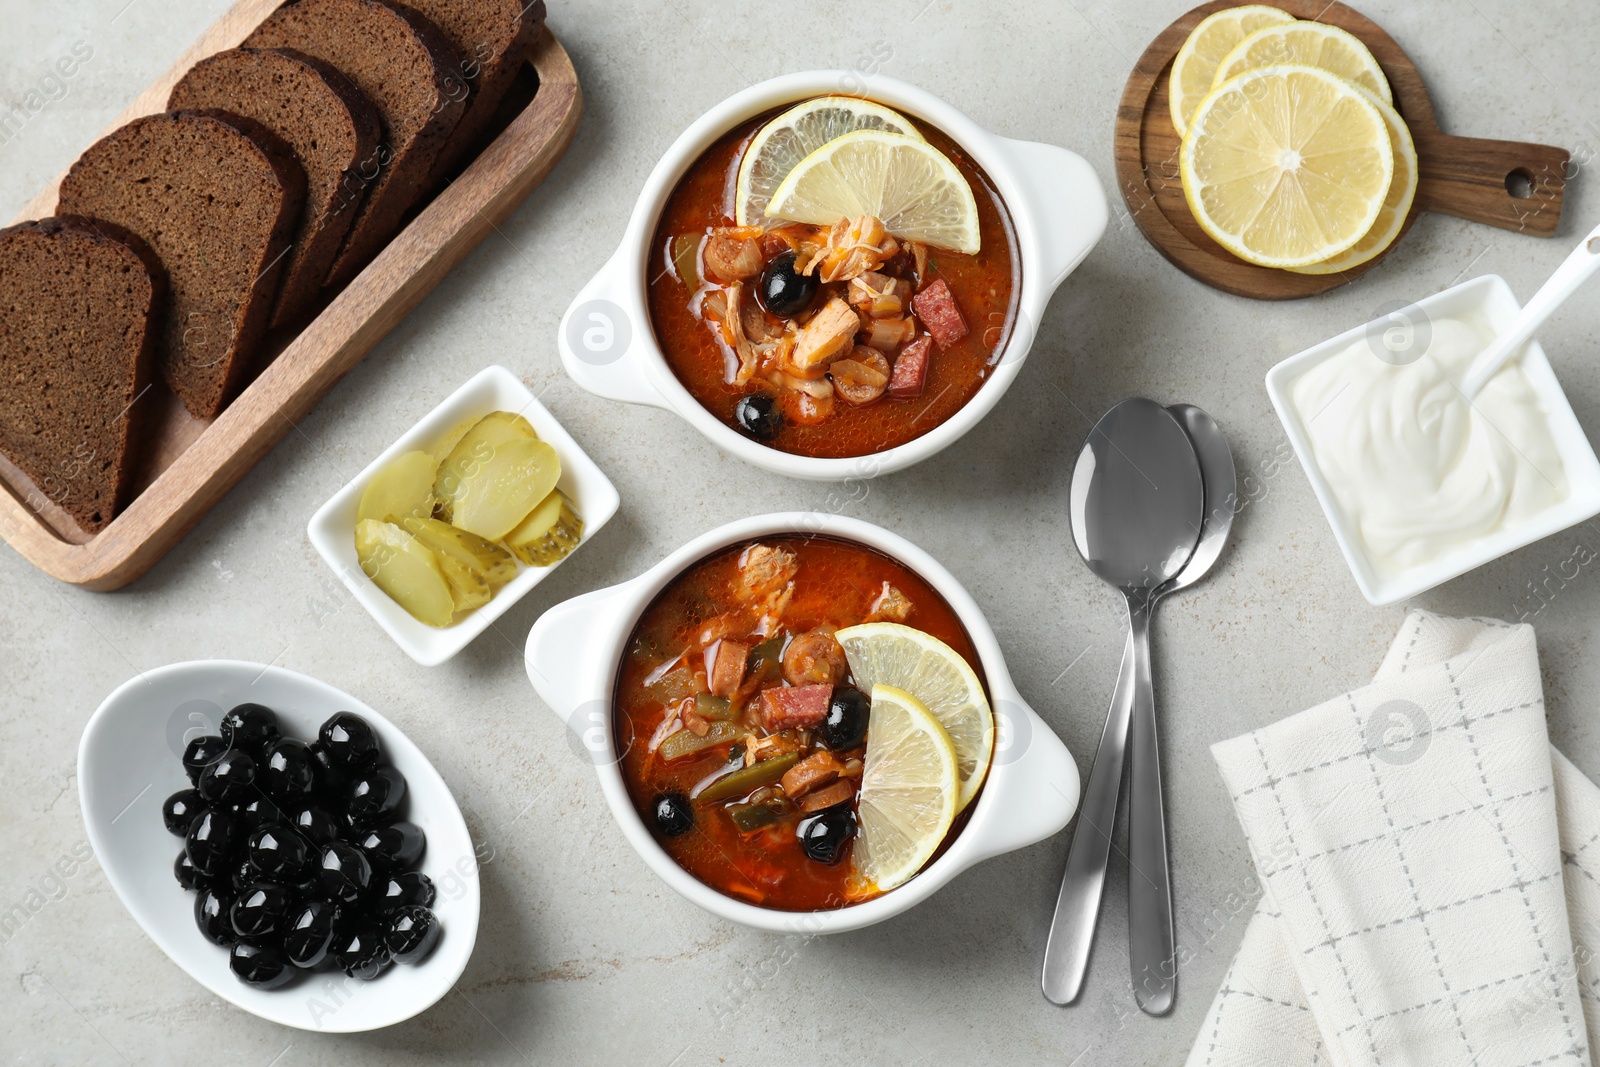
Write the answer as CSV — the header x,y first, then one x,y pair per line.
x,y
1510,184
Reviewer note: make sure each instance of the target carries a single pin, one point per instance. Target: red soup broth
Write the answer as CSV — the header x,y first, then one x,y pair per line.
x,y
984,286
835,584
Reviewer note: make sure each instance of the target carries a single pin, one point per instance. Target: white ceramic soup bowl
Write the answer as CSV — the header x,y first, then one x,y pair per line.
x,y
573,655
1054,197
128,763
1491,297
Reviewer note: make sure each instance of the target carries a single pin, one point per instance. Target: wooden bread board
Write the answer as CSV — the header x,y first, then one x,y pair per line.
x,y
190,464
1510,184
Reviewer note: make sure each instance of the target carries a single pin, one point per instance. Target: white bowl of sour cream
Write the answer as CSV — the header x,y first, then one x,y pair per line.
x,y
1419,485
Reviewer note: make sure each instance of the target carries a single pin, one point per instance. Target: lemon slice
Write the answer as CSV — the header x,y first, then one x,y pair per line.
x,y
909,789
887,653
1396,206
1194,71
906,182
794,135
1286,166
1306,44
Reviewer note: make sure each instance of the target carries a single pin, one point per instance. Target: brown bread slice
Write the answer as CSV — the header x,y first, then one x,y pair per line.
x,y
80,308
218,197
493,38
405,66
331,128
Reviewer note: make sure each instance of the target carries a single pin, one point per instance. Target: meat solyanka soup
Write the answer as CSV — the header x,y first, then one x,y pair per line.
x,y
753,747
834,279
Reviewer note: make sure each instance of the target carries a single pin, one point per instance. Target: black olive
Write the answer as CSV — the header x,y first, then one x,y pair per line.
x,y
279,853
308,937
230,780
287,770
250,728
259,811
758,416
413,931
359,950
259,965
242,874
784,291
201,753
350,741
180,809
375,796
406,887
211,915
214,841
185,873
673,814
345,872
397,845
316,825
260,910
331,778
846,725
824,834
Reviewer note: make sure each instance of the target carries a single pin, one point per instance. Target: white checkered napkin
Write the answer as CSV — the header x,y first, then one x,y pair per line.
x,y
1406,838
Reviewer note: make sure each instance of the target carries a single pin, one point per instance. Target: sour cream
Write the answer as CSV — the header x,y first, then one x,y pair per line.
x,y
1418,470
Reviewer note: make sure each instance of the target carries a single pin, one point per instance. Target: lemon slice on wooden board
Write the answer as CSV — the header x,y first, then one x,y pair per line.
x,y
775,149
887,653
907,183
1307,44
1194,70
1286,166
1396,206
909,789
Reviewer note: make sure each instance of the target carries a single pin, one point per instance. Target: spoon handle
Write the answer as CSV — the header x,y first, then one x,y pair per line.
x,y
1066,954
1152,954
1573,272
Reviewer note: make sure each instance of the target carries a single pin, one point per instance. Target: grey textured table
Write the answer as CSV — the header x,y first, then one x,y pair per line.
x,y
583,956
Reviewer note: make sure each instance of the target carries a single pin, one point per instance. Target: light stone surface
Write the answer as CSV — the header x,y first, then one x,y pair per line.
x,y
583,956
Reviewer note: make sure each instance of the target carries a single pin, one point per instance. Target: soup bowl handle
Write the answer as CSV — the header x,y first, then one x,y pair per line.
x,y
569,658
605,337
1065,204
1033,789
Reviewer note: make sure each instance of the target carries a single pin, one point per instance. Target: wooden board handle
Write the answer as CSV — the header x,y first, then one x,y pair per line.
x,y
1510,184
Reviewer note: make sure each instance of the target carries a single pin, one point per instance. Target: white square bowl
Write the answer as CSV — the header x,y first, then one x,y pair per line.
x,y
1491,297
333,528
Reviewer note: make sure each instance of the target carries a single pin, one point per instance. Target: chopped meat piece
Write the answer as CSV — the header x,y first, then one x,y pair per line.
x,y
693,721
886,335
911,369
808,408
732,259
760,748
919,254
862,378
764,570
837,793
830,332
784,706
815,771
890,605
936,307
772,243
880,295
854,247
814,657
728,659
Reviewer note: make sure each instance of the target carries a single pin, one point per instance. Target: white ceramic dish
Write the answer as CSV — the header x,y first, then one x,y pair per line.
x,y
128,764
1491,296
332,528
572,658
1056,204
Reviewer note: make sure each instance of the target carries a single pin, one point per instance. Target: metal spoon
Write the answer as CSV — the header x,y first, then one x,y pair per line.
x,y
1077,907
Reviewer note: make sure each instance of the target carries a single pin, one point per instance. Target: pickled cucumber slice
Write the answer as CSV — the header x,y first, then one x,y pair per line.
x,y
493,564
474,449
445,445
405,570
467,585
497,493
550,531
401,489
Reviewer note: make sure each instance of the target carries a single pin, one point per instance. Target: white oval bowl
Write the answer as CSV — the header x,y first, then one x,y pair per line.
x,y
572,657
127,766
1054,198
